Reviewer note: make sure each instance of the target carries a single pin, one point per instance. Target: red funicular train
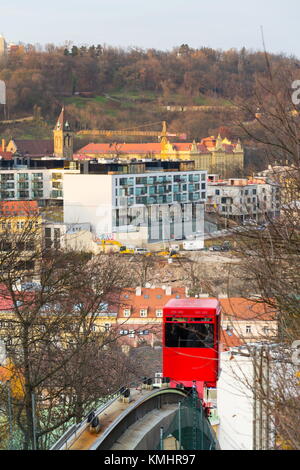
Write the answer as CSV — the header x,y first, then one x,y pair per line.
x,y
191,336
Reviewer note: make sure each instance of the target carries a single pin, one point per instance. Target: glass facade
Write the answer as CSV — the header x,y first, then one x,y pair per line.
x,y
179,187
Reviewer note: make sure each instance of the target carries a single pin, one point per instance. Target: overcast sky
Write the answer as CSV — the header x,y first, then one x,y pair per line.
x,y
161,24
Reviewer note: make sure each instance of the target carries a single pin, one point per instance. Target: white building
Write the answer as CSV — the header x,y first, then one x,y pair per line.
x,y
242,199
244,421
170,204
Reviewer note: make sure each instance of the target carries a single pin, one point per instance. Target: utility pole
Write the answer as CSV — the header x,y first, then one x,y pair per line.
x,y
195,420
161,438
179,424
34,444
254,398
9,413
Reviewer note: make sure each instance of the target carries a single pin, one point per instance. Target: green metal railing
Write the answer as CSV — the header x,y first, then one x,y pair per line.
x,y
189,428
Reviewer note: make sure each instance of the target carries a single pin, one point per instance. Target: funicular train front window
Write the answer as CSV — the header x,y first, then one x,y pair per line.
x,y
189,335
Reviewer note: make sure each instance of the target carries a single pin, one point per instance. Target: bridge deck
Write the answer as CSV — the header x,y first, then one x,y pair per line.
x,y
86,439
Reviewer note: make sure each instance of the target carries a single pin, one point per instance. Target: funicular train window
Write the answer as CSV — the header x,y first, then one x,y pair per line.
x,y
189,319
189,335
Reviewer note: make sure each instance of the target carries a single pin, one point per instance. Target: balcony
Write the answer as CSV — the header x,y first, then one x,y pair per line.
x,y
55,194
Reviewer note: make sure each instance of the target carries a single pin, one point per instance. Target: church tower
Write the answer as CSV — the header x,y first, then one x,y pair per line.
x,y
63,137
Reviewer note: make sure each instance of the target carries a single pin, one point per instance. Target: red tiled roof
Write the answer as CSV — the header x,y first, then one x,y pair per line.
x,y
243,309
147,148
228,148
17,208
6,155
157,298
6,303
229,340
233,308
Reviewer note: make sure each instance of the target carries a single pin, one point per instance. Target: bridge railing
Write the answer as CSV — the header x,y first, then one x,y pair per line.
x,y
76,429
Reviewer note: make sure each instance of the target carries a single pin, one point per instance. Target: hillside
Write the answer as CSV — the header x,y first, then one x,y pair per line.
x,y
110,87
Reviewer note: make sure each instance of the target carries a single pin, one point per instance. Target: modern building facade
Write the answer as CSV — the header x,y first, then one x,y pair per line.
x,y
42,184
170,204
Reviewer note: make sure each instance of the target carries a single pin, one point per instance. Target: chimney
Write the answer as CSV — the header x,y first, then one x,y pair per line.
x,y
3,145
168,290
138,291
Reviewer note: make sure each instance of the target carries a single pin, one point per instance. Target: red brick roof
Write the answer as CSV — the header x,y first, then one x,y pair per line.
x,y
143,149
243,309
156,298
6,155
18,208
152,299
6,303
229,340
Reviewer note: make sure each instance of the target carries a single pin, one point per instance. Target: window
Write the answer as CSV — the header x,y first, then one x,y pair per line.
x,y
126,312
143,312
123,332
159,313
189,335
131,334
248,329
217,192
144,332
266,330
20,225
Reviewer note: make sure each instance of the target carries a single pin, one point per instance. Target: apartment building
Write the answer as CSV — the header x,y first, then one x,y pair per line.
x,y
161,202
242,199
43,184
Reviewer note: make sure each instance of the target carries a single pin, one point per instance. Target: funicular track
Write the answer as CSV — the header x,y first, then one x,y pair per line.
x,y
126,424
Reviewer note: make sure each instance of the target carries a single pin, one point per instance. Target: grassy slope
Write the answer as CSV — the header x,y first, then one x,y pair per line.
x,y
143,106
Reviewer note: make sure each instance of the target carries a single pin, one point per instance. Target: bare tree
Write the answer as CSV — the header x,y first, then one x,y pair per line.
x,y
271,254
54,346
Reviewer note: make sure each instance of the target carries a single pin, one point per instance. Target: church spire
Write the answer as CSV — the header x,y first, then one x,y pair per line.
x,y
219,142
63,137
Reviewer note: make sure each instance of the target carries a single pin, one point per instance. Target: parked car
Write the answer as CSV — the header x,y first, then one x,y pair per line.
x,y
216,248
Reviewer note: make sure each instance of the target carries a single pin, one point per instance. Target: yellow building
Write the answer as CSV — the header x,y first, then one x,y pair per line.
x,y
216,155
20,234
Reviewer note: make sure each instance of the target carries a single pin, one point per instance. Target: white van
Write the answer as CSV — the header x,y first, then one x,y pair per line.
x,y
193,245
141,251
